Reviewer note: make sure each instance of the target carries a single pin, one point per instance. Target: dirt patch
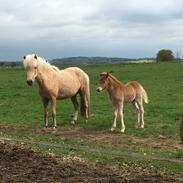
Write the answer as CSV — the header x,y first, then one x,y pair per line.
x,y
19,164
115,139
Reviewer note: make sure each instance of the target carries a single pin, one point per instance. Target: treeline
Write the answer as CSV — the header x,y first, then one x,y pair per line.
x,y
77,61
5,64
92,60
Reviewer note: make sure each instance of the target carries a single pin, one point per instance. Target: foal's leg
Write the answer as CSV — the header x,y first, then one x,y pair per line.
x,y
141,108
45,104
115,113
75,114
138,113
120,110
54,112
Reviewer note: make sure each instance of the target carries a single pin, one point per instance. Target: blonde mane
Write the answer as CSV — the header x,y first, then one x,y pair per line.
x,y
41,61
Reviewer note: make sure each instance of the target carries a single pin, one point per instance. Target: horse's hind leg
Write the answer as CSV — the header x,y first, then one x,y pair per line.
x,y
75,114
141,108
45,104
138,113
84,105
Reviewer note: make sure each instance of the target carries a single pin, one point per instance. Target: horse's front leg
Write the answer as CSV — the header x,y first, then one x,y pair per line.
x,y
115,113
120,109
54,112
45,105
75,114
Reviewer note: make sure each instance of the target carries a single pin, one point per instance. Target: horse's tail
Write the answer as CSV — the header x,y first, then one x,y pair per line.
x,y
144,95
88,95
85,98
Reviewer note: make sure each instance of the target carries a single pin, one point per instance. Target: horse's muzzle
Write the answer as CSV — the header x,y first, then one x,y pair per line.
x,y
29,82
98,89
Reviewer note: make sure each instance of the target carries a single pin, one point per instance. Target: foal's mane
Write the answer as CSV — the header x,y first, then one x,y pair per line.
x,y
113,78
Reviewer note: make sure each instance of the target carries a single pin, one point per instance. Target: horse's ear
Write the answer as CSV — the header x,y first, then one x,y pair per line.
x,y
104,74
24,57
35,56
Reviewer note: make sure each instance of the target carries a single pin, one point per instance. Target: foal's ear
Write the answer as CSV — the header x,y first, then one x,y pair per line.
x,y
24,57
107,75
104,74
35,56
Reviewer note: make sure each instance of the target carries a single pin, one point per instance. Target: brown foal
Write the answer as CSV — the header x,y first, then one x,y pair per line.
x,y
119,93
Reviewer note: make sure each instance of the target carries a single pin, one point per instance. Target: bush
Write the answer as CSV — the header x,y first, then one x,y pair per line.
x,y
164,56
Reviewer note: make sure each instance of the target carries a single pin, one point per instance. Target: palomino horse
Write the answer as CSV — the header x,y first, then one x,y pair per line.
x,y
119,93
58,84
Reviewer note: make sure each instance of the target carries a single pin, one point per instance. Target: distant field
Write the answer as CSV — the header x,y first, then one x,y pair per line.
x,y
21,108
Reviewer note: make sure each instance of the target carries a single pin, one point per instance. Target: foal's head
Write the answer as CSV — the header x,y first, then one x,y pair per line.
x,y
103,82
31,65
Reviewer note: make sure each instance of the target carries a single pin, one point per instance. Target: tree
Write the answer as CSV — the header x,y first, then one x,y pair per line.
x,y
164,56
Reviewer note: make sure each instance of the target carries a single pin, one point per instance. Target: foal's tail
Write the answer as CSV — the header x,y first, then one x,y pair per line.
x,y
85,98
144,95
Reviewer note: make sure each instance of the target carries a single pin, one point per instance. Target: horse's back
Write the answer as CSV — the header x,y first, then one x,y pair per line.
x,y
132,90
70,81
137,88
133,84
73,69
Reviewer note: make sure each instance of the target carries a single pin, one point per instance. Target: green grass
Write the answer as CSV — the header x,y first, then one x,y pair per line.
x,y
20,104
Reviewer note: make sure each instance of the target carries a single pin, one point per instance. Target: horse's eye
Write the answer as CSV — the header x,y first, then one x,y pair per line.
x,y
35,67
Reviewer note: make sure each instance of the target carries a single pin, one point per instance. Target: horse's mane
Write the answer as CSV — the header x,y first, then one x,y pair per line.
x,y
43,61
55,68
114,78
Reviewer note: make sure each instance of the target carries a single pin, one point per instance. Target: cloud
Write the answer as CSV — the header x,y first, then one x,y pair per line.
x,y
60,28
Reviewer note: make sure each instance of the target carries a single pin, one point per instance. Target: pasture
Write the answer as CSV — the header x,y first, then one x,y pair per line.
x,y
21,117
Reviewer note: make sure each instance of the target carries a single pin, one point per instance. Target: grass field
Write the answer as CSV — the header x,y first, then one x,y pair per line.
x,y
21,110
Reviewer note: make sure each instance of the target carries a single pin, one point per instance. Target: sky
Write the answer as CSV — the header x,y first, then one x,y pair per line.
x,y
110,28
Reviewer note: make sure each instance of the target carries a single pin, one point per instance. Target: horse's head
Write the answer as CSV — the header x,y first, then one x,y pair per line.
x,y
103,82
31,65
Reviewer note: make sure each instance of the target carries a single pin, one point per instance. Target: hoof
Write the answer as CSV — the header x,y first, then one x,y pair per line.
x,y
142,126
122,131
73,122
112,130
54,128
